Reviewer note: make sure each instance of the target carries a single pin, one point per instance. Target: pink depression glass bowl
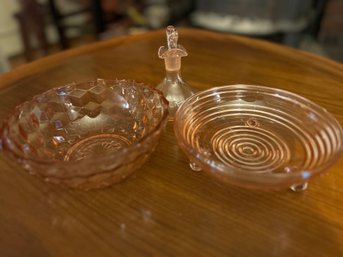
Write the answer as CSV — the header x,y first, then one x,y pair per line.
x,y
257,137
86,135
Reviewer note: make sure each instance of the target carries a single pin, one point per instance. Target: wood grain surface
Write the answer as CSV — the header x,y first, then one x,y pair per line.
x,y
166,209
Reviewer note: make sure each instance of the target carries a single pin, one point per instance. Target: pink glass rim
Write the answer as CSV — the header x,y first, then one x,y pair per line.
x,y
120,152
202,160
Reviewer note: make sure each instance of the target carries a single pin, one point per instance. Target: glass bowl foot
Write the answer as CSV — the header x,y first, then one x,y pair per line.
x,y
299,187
194,166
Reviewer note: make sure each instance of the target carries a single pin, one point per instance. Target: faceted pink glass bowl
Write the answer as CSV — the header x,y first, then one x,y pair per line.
x,y
86,135
257,137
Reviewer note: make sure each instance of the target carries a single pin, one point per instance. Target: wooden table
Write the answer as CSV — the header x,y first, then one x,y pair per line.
x,y
166,209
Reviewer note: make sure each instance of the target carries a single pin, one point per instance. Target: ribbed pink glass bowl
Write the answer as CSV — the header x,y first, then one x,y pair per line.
x,y
86,135
257,137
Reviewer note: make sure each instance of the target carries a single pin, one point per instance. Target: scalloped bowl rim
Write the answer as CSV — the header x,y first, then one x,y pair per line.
x,y
99,158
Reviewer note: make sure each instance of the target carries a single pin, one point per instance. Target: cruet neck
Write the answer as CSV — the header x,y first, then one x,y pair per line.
x,y
173,75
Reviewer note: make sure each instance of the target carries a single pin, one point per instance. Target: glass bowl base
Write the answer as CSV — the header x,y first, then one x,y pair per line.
x,y
96,145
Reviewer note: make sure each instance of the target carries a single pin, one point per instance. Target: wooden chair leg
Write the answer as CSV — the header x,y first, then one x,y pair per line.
x,y
24,33
56,16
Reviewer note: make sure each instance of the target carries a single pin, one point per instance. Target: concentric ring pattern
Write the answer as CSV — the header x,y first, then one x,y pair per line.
x,y
257,135
251,149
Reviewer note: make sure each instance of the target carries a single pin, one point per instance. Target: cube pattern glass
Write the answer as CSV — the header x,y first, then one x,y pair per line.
x,y
86,135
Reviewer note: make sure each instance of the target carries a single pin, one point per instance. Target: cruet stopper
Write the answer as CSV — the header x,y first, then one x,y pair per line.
x,y
173,87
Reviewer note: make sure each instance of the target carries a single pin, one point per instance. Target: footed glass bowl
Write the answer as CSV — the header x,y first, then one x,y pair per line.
x,y
86,135
257,137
